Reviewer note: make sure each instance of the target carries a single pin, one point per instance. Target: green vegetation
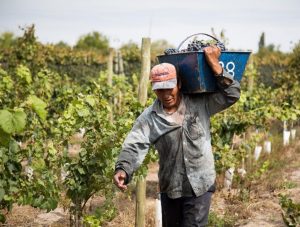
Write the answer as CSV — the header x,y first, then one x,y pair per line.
x,y
62,126
216,221
290,211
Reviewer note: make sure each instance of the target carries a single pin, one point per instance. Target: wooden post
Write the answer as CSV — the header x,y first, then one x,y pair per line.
x,y
110,66
142,96
110,78
247,136
121,64
121,73
146,64
116,63
140,202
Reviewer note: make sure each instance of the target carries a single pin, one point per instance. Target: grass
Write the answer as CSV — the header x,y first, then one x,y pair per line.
x,y
288,185
214,220
290,211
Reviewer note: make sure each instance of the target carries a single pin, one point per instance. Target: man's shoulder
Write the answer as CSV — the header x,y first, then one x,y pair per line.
x,y
146,114
194,98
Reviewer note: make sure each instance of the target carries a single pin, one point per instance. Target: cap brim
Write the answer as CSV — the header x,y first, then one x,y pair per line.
x,y
169,84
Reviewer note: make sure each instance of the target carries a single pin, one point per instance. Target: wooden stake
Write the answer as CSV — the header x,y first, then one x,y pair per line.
x,y
110,67
110,78
140,202
145,71
142,96
121,64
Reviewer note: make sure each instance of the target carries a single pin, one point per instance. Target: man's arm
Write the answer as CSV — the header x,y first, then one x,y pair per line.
x,y
134,150
228,89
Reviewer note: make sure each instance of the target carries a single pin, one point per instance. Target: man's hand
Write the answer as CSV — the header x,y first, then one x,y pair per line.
x,y
119,179
212,54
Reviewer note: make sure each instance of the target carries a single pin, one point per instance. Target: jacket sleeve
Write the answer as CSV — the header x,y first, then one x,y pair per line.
x,y
228,93
134,148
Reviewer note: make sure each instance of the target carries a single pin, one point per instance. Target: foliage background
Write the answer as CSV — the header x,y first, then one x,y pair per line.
x,y
62,126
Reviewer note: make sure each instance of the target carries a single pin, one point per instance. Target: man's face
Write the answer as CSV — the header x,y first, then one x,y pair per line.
x,y
168,97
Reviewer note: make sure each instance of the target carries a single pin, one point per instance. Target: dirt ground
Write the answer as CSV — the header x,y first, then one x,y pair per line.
x,y
262,208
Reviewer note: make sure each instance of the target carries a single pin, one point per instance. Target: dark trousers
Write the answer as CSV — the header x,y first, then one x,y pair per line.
x,y
185,211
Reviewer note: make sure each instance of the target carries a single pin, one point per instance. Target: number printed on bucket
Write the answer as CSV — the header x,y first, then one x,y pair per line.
x,y
230,66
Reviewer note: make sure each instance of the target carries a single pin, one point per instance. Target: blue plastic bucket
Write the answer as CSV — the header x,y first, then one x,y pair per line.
x,y
196,75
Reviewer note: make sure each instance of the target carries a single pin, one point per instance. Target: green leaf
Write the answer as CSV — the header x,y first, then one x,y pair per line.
x,y
51,150
6,119
90,100
20,120
13,189
38,105
12,122
24,73
4,137
83,112
13,146
2,193
81,170
52,204
38,164
8,82
40,182
7,197
2,218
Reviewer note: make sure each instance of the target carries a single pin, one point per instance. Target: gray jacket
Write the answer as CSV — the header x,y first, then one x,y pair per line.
x,y
184,150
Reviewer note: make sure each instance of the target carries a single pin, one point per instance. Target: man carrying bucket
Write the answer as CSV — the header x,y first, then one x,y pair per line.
x,y
178,125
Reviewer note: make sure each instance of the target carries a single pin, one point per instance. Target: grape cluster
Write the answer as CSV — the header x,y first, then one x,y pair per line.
x,y
196,45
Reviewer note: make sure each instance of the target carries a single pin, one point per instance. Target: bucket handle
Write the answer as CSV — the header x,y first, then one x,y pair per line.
x,y
194,35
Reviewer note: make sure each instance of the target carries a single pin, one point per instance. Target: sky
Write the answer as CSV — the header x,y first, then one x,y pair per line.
x,y
173,20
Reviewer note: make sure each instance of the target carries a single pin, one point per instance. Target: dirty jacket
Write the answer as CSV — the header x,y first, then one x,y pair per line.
x,y
193,158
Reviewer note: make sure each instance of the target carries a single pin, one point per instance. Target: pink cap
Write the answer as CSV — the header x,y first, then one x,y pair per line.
x,y
163,76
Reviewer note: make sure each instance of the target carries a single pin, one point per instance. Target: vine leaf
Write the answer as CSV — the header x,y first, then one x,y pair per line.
x,y
4,138
2,193
90,100
12,121
38,105
24,73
